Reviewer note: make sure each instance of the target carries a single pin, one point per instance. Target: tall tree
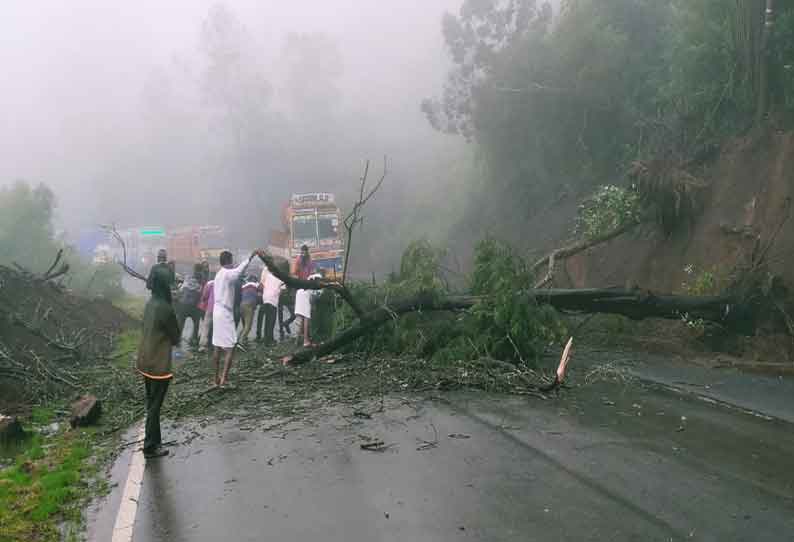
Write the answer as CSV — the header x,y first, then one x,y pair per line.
x,y
26,232
233,79
237,90
313,65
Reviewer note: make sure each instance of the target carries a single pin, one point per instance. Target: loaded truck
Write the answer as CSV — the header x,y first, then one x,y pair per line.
x,y
313,220
193,244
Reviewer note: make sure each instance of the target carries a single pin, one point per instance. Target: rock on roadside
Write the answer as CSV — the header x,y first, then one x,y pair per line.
x,y
85,411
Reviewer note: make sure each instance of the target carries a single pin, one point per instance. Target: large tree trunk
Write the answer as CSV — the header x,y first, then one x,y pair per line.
x,y
636,304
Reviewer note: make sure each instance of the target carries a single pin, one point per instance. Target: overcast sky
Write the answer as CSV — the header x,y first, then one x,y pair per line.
x,y
73,71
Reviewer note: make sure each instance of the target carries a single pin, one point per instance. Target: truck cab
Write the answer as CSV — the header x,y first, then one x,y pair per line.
x,y
314,220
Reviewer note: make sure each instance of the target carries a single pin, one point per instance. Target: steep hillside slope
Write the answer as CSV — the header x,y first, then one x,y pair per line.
x,y
747,200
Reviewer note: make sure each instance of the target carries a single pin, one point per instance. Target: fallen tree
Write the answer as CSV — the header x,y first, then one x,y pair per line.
x,y
635,304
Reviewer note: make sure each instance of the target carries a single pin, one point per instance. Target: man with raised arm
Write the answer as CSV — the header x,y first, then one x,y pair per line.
x,y
224,331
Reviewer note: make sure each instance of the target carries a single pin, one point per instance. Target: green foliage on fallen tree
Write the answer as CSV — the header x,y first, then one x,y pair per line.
x,y
505,325
608,209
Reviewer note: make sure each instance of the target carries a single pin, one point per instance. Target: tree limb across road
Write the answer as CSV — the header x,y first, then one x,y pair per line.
x,y
635,304
315,284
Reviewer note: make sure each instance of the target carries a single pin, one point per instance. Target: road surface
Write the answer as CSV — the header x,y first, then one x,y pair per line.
x,y
608,461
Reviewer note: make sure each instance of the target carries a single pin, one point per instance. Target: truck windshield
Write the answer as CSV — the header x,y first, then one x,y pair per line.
x,y
304,231
328,227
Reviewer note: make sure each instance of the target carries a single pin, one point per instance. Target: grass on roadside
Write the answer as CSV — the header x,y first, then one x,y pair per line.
x,y
46,486
132,305
124,346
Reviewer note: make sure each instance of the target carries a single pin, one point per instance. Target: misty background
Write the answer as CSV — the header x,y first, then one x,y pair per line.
x,y
199,112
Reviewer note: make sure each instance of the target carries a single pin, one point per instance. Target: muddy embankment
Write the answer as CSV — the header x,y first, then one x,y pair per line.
x,y
44,329
745,200
743,207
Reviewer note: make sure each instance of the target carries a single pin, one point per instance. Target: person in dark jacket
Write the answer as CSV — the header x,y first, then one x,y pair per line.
x,y
162,263
160,333
187,306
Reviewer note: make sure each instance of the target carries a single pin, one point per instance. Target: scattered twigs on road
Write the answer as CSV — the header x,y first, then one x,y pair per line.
x,y
428,444
375,446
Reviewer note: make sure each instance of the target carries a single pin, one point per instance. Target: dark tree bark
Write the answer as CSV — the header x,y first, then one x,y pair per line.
x,y
635,304
319,284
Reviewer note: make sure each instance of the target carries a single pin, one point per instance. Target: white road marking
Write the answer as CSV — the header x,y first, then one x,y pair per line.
x,y
125,519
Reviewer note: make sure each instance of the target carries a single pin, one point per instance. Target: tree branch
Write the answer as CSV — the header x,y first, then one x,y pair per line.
x,y
112,230
354,218
316,284
573,249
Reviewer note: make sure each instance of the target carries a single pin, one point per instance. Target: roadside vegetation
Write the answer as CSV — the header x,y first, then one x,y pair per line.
x,y
59,338
28,239
503,325
536,93
47,481
557,103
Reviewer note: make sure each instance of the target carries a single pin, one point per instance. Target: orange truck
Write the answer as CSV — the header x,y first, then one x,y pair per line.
x,y
313,220
193,244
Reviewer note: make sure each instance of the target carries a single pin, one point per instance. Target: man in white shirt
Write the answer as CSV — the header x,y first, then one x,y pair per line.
x,y
224,331
271,290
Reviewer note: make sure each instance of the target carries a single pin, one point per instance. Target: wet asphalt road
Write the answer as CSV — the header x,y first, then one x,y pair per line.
x,y
606,462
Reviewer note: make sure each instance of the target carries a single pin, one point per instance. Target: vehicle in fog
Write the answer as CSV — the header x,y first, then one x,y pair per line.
x,y
311,219
189,245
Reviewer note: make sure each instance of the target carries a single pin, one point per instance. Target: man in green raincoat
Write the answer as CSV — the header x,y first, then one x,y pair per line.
x,y
160,333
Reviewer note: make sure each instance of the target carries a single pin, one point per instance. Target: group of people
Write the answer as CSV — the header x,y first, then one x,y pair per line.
x,y
219,305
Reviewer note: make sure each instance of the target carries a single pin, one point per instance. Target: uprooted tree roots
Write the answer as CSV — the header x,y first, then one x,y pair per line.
x,y
675,194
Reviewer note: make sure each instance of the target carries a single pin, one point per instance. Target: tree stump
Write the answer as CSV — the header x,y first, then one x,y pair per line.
x,y
85,411
10,430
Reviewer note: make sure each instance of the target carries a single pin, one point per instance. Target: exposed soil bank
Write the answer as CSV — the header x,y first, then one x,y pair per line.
x,y
41,319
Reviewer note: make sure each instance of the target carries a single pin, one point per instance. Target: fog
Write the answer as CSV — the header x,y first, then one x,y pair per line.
x,y
195,112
